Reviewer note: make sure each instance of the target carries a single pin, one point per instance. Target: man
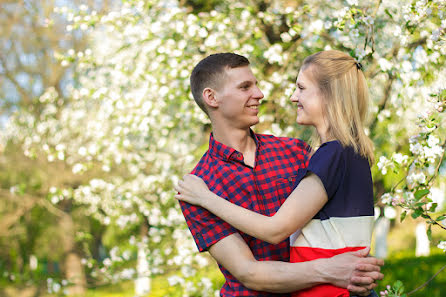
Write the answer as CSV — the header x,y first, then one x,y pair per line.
x,y
257,172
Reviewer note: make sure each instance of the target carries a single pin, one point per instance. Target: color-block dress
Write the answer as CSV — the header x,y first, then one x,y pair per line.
x,y
345,223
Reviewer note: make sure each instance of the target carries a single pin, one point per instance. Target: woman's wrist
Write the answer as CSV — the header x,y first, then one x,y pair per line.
x,y
206,199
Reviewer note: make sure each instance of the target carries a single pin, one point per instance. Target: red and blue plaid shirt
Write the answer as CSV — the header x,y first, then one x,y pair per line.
x,y
262,189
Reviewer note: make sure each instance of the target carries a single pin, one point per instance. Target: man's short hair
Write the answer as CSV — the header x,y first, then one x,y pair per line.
x,y
210,72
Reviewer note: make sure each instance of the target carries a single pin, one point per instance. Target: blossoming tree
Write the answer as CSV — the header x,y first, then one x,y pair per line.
x,y
131,128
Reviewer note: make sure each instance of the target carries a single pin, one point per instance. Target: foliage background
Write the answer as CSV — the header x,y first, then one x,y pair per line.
x,y
98,123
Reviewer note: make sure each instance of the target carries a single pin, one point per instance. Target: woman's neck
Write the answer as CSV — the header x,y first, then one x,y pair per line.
x,y
324,134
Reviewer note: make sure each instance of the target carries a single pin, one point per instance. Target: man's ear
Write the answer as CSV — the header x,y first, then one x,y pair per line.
x,y
209,96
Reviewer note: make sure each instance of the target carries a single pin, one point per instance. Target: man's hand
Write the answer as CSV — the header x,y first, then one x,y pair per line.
x,y
366,273
355,271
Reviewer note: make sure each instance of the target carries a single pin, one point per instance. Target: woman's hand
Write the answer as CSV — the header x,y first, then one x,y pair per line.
x,y
192,189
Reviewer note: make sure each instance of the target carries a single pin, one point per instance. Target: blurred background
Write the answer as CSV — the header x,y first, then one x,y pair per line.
x,y
97,123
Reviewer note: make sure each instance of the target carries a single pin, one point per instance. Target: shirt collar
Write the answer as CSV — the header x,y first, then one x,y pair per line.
x,y
225,152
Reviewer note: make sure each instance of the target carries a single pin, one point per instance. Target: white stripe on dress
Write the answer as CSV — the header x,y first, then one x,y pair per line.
x,y
335,233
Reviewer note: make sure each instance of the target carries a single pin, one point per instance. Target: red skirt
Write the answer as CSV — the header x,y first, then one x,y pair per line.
x,y
303,254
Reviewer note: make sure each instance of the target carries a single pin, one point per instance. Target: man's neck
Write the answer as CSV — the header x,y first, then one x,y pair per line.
x,y
238,139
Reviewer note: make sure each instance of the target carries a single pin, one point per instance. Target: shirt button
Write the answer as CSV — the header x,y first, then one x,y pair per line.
x,y
290,178
239,155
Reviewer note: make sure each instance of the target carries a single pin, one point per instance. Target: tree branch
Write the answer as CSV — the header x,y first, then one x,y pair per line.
x,y
423,285
25,96
383,103
27,202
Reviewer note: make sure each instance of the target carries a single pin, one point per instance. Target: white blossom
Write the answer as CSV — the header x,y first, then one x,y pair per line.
x,y
400,158
174,280
274,54
384,164
416,177
416,148
442,246
386,198
384,64
432,141
389,212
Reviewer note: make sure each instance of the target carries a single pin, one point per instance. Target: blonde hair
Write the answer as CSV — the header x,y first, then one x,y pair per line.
x,y
344,90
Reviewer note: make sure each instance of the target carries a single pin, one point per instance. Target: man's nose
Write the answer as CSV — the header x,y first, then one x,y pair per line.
x,y
258,93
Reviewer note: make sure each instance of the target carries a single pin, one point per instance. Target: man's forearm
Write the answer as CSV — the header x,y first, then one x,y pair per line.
x,y
341,270
272,276
282,277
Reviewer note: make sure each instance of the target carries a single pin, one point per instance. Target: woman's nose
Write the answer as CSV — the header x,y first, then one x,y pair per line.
x,y
294,97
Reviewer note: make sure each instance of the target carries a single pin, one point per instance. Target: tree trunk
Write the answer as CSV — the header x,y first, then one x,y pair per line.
x,y
74,271
382,226
142,283
423,244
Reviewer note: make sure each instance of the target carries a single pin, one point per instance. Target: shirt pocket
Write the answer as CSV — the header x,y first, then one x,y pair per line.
x,y
286,185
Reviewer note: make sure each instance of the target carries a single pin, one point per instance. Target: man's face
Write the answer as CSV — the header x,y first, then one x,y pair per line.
x,y
239,98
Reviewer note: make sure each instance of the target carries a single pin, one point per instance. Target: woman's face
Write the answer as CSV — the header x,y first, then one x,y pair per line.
x,y
309,101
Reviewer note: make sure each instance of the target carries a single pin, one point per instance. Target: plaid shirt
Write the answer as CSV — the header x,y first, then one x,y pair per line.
x,y
262,189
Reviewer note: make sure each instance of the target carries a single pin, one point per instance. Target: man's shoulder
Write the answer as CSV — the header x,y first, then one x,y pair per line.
x,y
202,164
207,164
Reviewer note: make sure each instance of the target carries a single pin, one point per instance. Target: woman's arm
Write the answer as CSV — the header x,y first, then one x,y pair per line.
x,y
302,204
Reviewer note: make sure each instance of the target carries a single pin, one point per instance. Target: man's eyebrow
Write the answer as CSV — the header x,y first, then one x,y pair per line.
x,y
247,83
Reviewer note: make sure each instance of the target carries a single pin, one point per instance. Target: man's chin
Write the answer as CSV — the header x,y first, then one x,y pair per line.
x,y
255,122
246,123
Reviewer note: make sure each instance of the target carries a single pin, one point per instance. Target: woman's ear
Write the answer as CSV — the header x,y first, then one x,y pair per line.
x,y
209,97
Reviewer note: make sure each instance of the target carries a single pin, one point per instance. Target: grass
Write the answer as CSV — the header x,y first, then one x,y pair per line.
x,y
414,272
401,265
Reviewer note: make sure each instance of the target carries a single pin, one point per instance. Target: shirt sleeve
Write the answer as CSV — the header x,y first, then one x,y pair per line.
x,y
328,164
206,228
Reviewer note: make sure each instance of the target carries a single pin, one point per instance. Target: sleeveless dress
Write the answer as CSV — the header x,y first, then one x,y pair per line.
x,y
345,223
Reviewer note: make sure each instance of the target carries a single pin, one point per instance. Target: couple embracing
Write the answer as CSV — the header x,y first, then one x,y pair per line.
x,y
279,217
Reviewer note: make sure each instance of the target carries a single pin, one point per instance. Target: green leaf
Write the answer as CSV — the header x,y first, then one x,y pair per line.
x,y
440,218
403,216
416,213
398,285
421,193
433,207
429,232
